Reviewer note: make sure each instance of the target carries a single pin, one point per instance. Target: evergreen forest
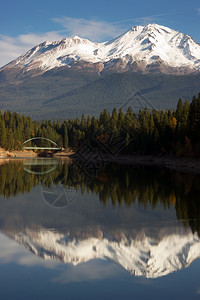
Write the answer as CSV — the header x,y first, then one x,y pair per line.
x,y
175,132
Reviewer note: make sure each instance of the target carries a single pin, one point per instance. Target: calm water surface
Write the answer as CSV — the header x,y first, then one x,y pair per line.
x,y
123,232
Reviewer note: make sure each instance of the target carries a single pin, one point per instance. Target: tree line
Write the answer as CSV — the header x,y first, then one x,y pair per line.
x,y
174,132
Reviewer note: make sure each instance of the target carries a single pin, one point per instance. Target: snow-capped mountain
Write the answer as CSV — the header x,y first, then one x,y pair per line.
x,y
145,256
151,48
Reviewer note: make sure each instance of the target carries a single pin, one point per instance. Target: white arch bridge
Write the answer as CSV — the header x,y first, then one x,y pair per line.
x,y
57,148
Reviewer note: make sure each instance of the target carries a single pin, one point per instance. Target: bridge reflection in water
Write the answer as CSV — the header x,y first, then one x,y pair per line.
x,y
34,166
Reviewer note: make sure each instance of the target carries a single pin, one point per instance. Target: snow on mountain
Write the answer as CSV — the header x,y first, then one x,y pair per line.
x,y
50,55
146,256
144,48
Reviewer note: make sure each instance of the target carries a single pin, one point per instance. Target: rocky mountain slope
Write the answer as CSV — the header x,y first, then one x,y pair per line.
x,y
146,255
149,66
146,49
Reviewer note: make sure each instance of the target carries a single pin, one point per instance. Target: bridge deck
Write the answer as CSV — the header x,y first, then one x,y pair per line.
x,y
41,148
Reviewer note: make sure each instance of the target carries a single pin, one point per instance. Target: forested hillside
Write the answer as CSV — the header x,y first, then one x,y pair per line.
x,y
63,94
174,132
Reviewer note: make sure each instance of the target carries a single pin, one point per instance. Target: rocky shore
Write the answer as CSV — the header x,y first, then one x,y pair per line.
x,y
20,154
181,164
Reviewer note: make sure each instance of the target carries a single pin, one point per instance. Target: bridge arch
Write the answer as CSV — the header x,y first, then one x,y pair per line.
x,y
41,148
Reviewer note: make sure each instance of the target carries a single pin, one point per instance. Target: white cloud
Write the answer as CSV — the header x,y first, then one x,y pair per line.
x,y
11,252
89,271
145,20
12,47
198,291
142,20
94,30
198,11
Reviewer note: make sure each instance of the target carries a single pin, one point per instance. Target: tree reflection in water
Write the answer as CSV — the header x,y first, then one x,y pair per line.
x,y
115,184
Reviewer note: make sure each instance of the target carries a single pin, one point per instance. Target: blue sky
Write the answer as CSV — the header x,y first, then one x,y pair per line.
x,y
24,24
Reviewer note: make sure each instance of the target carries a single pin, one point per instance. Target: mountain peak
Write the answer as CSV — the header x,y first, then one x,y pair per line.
x,y
137,28
150,48
155,26
76,37
147,256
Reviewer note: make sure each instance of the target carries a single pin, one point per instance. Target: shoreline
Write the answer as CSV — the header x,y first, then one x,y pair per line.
x,y
5,154
183,164
180,164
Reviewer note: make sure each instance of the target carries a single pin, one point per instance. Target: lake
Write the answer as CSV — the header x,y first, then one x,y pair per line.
x,y
121,232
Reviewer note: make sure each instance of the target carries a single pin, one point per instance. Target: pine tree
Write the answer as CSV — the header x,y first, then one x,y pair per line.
x,y
2,134
120,120
65,140
179,111
113,121
151,124
104,117
83,121
114,115
94,125
192,119
88,122
10,140
128,120
186,109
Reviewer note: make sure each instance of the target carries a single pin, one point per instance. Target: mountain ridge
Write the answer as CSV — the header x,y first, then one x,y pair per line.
x,y
144,256
145,49
55,80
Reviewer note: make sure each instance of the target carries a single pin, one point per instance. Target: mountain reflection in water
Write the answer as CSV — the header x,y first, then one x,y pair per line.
x,y
142,218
